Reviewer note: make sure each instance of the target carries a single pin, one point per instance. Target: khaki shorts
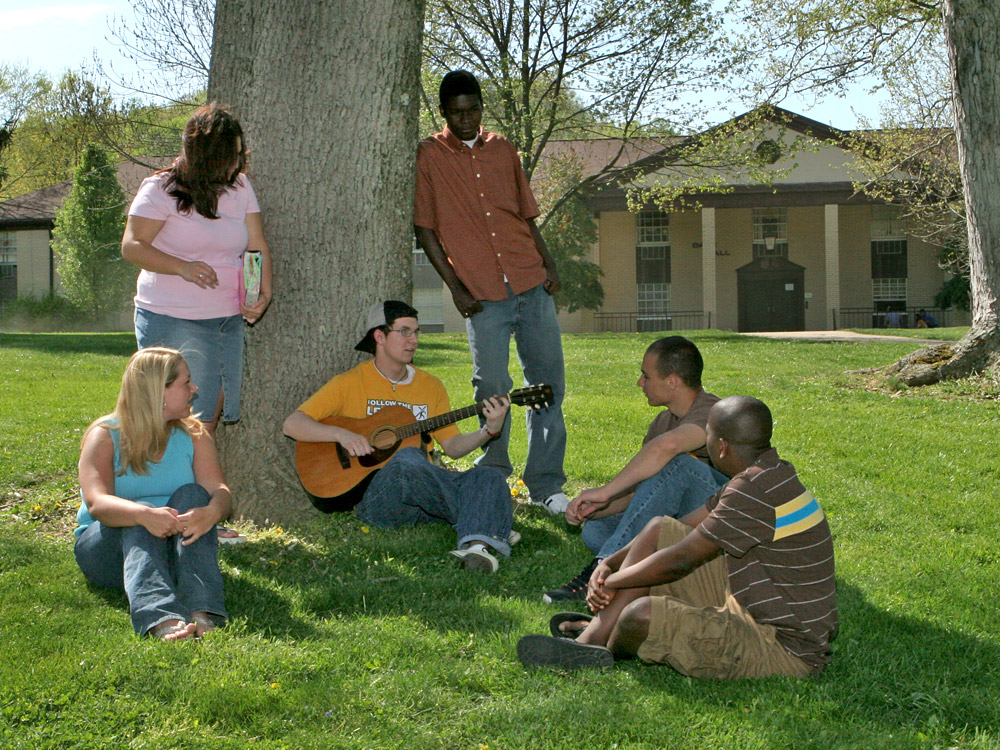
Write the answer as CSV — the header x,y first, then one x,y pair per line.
x,y
699,629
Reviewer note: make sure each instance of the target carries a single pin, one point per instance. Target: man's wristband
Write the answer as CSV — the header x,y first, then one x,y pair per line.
x,y
491,434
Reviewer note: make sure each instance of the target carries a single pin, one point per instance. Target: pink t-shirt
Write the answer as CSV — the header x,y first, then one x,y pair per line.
x,y
218,242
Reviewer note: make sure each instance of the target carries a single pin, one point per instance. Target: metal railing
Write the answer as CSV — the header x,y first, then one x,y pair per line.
x,y
633,322
867,317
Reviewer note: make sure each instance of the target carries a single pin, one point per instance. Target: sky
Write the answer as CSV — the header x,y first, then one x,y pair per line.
x,y
57,36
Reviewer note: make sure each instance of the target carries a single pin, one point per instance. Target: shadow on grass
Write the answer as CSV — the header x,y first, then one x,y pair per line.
x,y
115,344
898,673
388,573
260,608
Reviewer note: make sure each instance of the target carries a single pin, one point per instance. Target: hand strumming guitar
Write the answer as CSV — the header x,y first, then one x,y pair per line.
x,y
354,443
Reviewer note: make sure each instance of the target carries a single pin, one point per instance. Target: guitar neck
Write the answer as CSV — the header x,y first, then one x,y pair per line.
x,y
441,420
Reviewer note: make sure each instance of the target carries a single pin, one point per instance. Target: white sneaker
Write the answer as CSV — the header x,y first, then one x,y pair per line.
x,y
476,558
555,504
513,537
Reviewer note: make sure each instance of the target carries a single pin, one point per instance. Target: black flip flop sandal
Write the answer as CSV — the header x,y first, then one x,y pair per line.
x,y
560,617
562,653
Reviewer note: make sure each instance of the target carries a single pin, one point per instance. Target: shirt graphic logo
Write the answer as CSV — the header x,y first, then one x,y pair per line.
x,y
420,411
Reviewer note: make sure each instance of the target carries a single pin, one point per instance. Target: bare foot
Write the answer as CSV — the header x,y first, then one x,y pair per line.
x,y
202,622
229,536
573,629
173,630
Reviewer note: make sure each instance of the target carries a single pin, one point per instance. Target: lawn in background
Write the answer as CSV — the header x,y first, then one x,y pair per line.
x,y
953,333
345,636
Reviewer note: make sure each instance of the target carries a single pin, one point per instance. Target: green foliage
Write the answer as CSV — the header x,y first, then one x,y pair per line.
x,y
955,292
61,118
568,69
48,312
350,637
570,232
800,46
87,238
18,90
49,142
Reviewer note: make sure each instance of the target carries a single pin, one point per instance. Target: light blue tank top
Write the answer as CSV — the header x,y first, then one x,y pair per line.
x,y
154,489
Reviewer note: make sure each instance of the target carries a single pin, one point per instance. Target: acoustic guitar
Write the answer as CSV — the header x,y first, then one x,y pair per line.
x,y
336,480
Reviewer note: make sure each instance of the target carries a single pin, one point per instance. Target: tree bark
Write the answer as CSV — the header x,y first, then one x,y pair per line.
x,y
326,91
972,35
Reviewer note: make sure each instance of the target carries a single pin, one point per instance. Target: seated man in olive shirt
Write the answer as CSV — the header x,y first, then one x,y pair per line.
x,y
744,587
669,476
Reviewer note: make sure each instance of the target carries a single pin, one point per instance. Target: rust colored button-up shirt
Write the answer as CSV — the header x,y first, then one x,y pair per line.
x,y
477,200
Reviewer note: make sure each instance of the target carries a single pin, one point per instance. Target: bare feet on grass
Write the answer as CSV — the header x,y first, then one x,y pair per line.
x,y
202,622
173,630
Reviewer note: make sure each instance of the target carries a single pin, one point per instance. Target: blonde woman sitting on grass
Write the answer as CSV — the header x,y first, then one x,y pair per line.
x,y
153,491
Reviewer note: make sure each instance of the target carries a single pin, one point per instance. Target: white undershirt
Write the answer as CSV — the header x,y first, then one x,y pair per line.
x,y
407,379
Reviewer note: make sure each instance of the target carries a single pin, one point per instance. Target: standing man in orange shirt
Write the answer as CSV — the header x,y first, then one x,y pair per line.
x,y
474,216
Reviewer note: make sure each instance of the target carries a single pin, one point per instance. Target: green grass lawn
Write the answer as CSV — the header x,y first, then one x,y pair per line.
x,y
348,637
937,334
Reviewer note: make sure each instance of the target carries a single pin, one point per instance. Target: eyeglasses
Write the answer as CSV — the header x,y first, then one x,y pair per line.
x,y
406,332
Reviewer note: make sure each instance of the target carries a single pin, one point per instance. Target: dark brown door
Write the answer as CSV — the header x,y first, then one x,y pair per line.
x,y
771,295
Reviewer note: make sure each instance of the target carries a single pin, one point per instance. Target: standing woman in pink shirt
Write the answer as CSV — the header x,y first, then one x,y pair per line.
x,y
187,230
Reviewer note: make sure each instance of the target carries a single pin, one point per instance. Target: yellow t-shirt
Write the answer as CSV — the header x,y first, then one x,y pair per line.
x,y
362,391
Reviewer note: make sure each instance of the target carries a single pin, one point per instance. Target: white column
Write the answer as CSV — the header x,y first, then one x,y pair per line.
x,y
831,213
708,266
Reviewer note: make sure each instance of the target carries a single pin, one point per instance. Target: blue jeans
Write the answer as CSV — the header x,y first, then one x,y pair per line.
x,y
213,350
409,490
531,318
680,487
163,579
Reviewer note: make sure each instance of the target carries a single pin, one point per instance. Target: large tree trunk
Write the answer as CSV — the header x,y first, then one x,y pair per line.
x,y
326,91
972,33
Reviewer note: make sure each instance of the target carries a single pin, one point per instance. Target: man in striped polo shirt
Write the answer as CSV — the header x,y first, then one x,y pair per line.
x,y
743,587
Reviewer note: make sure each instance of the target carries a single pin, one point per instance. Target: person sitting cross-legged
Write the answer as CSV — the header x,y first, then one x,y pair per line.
x,y
744,587
408,489
669,476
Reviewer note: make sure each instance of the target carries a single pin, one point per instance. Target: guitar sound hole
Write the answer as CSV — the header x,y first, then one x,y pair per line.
x,y
384,438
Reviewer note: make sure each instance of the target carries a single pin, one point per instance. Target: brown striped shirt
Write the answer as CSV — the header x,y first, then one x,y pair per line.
x,y
779,555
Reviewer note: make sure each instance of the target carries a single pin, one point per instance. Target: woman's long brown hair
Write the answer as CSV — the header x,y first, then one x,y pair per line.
x,y
209,163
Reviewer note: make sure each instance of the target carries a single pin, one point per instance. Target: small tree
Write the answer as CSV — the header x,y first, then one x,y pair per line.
x,y
88,235
570,231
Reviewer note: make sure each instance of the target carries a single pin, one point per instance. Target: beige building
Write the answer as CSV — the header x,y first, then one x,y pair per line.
x,y
27,263
805,253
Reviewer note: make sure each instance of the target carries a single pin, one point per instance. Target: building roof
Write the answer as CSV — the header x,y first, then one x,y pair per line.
x,y
39,207
595,154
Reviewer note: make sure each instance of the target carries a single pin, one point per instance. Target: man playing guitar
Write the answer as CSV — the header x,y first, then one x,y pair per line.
x,y
408,489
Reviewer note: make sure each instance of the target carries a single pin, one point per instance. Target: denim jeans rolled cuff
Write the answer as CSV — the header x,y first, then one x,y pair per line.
x,y
680,487
163,579
530,317
213,350
409,490
501,548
